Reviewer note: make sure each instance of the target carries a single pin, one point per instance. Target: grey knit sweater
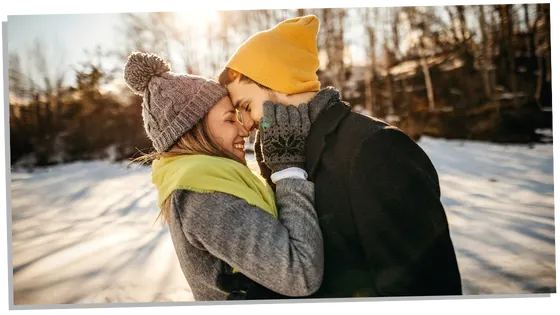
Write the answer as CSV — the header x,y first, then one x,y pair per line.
x,y
284,255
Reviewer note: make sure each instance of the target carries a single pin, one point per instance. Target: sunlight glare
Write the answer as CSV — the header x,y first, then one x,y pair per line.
x,y
199,17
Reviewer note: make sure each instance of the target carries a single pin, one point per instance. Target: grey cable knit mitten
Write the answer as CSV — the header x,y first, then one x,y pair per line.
x,y
265,170
283,131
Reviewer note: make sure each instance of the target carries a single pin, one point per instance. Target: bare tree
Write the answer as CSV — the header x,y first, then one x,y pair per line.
x,y
419,21
393,22
451,16
333,43
542,39
370,19
486,59
52,75
462,22
546,44
530,31
506,18
147,32
16,79
390,28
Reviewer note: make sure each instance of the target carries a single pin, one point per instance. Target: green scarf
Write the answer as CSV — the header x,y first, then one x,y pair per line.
x,y
206,174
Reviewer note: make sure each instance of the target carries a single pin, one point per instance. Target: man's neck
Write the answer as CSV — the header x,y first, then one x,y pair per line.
x,y
300,98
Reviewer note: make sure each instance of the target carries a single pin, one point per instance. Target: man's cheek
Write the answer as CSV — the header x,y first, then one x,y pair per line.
x,y
256,116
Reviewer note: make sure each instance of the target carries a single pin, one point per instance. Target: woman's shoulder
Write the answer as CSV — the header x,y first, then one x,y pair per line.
x,y
197,210
188,200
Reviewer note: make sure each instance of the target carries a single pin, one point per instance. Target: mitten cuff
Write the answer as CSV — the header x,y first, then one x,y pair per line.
x,y
290,172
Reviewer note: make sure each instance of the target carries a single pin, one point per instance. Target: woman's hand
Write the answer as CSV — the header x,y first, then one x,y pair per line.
x,y
283,132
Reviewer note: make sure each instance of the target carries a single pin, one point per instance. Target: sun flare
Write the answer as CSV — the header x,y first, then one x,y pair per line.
x,y
200,17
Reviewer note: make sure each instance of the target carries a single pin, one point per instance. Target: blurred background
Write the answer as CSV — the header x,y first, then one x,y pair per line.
x,y
471,84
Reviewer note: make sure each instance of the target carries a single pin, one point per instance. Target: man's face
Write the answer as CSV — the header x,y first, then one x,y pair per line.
x,y
248,99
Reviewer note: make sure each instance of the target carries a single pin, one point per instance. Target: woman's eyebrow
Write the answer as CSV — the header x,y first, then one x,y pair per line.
x,y
230,112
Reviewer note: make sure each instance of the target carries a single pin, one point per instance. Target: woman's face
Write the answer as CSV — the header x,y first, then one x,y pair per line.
x,y
225,128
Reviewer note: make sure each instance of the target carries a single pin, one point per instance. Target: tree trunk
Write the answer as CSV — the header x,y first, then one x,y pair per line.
x,y
388,80
485,52
370,70
453,27
340,48
426,71
506,16
547,41
328,45
334,45
462,22
395,29
530,35
492,46
539,77
396,43
428,80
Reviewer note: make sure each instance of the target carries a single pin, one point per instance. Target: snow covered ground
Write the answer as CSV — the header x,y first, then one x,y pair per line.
x,y
85,232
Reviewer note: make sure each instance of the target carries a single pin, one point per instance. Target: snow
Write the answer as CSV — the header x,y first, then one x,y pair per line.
x,y
544,132
85,232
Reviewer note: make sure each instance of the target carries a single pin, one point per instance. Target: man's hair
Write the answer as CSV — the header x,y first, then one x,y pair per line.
x,y
229,75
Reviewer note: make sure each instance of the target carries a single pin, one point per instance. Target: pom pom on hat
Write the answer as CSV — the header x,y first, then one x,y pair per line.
x,y
140,68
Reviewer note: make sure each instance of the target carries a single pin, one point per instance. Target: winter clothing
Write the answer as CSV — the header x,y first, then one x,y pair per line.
x,y
284,58
323,100
265,171
283,133
377,194
223,218
207,174
172,103
378,201
215,232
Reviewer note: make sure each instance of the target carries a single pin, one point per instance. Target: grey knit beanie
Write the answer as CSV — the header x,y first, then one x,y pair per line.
x,y
173,103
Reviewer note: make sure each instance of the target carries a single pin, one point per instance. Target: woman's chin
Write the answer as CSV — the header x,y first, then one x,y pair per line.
x,y
240,154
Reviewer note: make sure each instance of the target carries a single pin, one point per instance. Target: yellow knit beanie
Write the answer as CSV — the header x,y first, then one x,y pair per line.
x,y
284,58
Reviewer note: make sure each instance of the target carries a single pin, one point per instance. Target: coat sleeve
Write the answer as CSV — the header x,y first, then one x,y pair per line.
x,y
395,201
284,255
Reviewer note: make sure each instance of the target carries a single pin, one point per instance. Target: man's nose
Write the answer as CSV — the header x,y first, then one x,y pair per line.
x,y
247,122
244,133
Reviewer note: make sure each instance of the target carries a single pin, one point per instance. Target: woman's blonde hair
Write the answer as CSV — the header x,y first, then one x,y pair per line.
x,y
196,141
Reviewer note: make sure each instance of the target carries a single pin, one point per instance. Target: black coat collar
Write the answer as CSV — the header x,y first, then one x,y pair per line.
x,y
324,125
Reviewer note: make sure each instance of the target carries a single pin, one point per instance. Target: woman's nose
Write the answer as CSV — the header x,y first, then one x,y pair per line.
x,y
243,132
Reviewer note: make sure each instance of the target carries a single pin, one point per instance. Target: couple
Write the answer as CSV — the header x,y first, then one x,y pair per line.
x,y
346,205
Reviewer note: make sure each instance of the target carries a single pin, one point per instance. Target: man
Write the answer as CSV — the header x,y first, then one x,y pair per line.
x,y
377,195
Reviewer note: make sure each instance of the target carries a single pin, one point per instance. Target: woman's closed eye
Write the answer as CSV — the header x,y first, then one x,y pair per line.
x,y
231,117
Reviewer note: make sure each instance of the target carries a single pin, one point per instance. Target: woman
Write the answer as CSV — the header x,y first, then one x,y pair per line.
x,y
234,237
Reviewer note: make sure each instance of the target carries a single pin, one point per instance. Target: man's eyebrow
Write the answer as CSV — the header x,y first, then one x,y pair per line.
x,y
238,103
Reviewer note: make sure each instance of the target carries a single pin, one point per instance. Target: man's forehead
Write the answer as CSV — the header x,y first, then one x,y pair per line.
x,y
236,102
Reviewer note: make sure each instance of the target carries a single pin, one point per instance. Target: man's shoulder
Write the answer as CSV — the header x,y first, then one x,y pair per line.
x,y
373,136
362,126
